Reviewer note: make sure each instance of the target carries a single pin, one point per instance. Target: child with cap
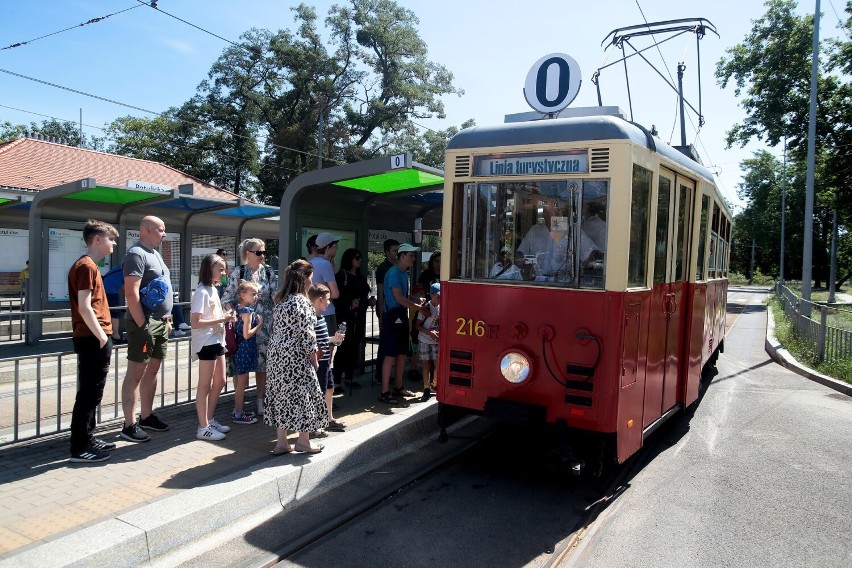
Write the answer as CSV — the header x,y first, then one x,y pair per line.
x,y
428,337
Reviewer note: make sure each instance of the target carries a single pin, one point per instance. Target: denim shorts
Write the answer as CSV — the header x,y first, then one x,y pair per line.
x,y
326,380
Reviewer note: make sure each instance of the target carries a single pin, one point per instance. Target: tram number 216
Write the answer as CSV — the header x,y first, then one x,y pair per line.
x,y
468,326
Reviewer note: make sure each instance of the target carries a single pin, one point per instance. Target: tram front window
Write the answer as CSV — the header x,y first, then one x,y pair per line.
x,y
550,232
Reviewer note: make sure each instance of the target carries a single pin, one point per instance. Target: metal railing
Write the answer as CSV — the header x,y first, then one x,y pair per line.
x,y
37,390
827,342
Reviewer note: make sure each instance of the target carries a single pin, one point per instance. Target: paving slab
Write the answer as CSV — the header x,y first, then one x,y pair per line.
x,y
48,502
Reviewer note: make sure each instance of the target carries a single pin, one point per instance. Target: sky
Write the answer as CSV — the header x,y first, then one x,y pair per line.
x,y
144,58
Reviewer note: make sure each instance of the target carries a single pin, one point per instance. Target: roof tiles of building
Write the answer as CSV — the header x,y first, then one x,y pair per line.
x,y
32,164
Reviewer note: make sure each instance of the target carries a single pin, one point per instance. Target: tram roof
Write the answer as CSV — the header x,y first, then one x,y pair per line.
x,y
576,129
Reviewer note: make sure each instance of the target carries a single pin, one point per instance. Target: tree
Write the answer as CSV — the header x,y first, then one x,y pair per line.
x,y
52,128
771,72
277,103
427,148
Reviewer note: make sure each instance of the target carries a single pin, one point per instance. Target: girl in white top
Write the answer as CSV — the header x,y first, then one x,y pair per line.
x,y
208,343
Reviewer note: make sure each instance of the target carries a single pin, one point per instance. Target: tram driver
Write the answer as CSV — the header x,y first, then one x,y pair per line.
x,y
508,267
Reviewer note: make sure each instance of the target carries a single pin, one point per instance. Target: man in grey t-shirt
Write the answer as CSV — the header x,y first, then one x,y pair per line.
x,y
147,332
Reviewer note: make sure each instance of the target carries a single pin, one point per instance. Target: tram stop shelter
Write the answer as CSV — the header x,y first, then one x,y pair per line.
x,y
362,202
56,217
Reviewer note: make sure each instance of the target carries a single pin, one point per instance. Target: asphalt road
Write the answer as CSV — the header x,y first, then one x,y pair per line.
x,y
757,475
498,504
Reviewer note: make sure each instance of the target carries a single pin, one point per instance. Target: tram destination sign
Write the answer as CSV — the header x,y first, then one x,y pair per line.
x,y
549,163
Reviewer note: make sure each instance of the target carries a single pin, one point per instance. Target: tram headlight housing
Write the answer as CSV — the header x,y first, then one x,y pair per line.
x,y
515,367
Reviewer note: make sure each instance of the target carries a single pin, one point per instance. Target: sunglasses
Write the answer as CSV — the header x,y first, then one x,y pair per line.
x,y
258,252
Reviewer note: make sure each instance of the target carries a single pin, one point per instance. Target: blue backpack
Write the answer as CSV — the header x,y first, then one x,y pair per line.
x,y
113,280
153,294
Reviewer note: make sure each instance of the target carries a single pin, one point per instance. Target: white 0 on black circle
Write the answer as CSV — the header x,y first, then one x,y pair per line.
x,y
552,83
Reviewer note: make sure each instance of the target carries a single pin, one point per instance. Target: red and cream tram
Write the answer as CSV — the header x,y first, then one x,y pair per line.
x,y
587,276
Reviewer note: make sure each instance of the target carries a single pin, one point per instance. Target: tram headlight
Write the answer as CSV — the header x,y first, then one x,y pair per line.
x,y
515,367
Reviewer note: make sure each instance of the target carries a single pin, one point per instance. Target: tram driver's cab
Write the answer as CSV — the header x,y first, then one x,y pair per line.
x,y
545,231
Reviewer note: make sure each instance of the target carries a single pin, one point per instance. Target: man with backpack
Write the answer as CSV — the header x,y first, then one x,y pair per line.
x,y
149,295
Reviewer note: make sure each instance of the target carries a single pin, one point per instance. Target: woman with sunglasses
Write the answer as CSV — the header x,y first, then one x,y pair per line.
x,y
351,308
253,268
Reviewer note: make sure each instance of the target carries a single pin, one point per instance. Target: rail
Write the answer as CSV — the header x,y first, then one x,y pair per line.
x,y
827,342
37,390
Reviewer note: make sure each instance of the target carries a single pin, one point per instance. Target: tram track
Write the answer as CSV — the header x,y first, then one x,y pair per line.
x,y
483,491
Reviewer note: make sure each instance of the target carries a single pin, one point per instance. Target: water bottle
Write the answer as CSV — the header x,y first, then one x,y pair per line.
x,y
341,329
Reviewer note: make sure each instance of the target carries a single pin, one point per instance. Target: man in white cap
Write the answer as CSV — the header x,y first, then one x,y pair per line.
x,y
326,244
394,335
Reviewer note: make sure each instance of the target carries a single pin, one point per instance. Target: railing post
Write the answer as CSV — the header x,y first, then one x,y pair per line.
x,y
823,316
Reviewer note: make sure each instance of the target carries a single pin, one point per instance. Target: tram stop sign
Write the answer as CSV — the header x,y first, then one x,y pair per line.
x,y
552,83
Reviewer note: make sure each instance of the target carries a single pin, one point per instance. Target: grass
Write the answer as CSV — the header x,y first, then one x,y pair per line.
x,y
802,351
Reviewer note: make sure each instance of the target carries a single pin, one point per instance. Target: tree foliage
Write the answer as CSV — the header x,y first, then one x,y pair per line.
x,y
52,128
770,70
278,103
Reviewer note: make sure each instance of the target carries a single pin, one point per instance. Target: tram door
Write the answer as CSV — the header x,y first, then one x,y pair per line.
x,y
669,294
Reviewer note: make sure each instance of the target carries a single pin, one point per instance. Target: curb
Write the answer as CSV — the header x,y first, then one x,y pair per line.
x,y
172,529
783,358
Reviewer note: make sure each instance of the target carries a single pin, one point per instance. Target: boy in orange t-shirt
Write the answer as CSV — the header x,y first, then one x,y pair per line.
x,y
92,328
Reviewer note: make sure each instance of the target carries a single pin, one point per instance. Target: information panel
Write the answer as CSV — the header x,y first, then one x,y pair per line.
x,y
64,247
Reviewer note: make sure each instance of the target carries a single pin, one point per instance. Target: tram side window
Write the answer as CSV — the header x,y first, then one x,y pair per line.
x,y
702,238
637,260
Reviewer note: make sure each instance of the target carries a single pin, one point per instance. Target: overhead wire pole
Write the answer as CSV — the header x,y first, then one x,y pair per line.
x,y
807,250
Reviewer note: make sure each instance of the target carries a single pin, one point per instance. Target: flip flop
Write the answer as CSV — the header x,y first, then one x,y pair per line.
x,y
308,449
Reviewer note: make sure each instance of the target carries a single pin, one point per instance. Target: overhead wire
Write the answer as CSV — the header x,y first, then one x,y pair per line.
x,y
160,114
153,4
92,21
697,138
53,117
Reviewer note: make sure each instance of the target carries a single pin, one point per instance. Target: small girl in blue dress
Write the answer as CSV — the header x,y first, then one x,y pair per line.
x,y
245,359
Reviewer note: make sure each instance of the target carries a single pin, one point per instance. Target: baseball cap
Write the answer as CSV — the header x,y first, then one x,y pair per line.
x,y
435,289
325,239
405,247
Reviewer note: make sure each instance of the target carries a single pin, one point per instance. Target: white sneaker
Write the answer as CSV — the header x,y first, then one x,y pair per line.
x,y
216,426
184,327
209,434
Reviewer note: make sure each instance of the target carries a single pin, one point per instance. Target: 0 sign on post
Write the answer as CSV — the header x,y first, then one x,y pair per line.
x,y
552,83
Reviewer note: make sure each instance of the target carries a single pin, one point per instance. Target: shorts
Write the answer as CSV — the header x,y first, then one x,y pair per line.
x,y
211,352
428,351
324,376
394,335
150,340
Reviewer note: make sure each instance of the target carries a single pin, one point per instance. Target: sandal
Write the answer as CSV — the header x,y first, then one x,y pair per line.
x,y
402,391
336,426
279,451
387,398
